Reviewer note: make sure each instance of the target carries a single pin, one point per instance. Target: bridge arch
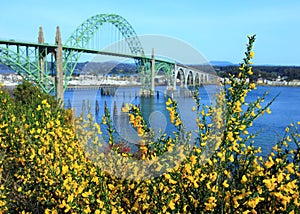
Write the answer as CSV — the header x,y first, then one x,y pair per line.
x,y
84,33
167,71
180,74
197,79
189,78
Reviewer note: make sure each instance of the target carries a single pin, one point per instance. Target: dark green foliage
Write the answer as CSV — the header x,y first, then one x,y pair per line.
x,y
29,94
265,72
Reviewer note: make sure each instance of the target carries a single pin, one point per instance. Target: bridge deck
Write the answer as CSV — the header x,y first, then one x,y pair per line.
x,y
77,49
52,47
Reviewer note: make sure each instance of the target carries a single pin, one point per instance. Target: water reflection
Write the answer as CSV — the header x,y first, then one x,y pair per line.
x,y
153,108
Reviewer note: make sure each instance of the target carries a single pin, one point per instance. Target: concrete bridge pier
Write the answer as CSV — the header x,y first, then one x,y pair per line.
x,y
42,54
175,77
186,77
152,73
59,84
148,78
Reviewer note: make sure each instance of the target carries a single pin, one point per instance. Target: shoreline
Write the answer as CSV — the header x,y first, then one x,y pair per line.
x,y
92,86
277,85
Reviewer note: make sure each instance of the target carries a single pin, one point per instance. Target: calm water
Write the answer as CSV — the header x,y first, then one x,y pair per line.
x,y
285,110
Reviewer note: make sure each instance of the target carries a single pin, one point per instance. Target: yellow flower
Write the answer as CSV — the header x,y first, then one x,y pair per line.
x,y
290,168
258,105
169,102
259,189
47,211
254,201
87,209
101,203
70,198
215,189
87,194
172,205
220,154
126,108
227,173
64,169
225,184
203,144
103,120
230,136
269,163
242,127
213,176
251,54
239,75
211,203
178,122
110,186
171,181
250,72
270,183
245,132
242,67
252,86
244,179
193,159
44,101
187,168
168,176
159,167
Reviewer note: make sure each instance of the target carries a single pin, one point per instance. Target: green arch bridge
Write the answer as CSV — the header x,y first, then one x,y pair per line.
x,y
31,60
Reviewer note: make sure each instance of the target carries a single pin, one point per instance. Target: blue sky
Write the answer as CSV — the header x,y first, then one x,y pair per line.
x,y
216,28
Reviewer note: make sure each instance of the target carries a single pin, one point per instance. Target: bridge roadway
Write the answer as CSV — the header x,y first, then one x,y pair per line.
x,y
52,47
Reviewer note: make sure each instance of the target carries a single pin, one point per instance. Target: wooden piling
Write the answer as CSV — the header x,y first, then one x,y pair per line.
x,y
97,107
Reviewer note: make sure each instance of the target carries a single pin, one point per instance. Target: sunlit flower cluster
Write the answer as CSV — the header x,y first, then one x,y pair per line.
x,y
172,108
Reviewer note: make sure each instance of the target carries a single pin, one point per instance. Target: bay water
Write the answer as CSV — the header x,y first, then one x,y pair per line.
x,y
270,127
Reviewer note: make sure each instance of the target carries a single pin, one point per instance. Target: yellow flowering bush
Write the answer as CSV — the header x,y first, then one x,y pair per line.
x,y
51,162
43,167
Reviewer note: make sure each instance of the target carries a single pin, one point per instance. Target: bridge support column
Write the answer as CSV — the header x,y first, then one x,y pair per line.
x,y
59,68
41,55
194,79
185,78
152,73
175,76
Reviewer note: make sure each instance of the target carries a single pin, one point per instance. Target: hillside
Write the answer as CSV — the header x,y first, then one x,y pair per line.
x,y
266,72
223,69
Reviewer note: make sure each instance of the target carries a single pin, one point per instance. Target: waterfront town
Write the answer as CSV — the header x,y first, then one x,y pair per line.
x,y
12,79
